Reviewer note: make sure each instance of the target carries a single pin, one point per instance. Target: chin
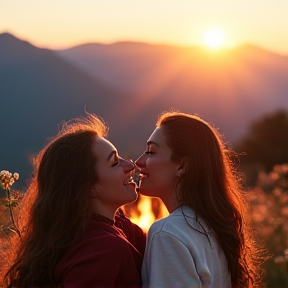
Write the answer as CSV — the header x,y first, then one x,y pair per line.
x,y
134,196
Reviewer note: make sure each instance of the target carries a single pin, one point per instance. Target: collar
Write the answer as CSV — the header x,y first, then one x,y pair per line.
x,y
186,210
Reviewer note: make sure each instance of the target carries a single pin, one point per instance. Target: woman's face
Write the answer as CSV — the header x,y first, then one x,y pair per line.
x,y
114,187
158,171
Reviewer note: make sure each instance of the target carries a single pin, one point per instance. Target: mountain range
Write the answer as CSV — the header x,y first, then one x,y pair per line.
x,y
129,85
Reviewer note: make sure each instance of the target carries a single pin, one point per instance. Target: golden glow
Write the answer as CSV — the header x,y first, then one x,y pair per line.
x,y
144,213
214,38
146,217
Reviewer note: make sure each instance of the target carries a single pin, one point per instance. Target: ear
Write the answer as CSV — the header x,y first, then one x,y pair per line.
x,y
93,193
182,167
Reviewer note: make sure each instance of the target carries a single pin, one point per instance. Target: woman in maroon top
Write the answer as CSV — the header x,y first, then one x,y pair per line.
x,y
70,218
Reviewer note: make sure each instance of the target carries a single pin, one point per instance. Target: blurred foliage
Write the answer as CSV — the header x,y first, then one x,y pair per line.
x,y
269,215
265,145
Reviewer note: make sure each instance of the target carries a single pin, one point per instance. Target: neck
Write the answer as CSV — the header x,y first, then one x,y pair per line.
x,y
170,202
103,210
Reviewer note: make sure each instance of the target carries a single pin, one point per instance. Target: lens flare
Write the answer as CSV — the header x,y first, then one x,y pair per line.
x,y
214,38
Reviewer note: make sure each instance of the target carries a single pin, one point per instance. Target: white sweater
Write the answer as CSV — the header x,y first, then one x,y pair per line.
x,y
179,256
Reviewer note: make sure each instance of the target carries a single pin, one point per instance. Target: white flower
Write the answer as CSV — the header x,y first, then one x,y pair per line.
x,y
5,174
16,176
11,182
6,179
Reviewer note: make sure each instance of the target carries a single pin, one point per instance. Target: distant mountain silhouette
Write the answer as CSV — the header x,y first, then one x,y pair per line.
x,y
229,88
129,84
38,90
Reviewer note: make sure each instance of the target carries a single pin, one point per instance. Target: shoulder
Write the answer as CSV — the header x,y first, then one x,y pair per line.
x,y
100,242
102,249
181,224
101,238
173,222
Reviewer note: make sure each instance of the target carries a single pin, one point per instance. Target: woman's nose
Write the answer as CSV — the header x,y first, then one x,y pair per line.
x,y
128,166
141,162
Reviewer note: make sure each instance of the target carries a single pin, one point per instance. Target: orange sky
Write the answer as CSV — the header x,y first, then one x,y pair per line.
x,y
62,23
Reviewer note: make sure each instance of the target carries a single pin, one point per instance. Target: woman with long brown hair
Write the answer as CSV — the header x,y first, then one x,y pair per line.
x,y
70,219
206,240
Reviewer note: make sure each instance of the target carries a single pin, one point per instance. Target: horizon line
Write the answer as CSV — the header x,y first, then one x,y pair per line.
x,y
202,46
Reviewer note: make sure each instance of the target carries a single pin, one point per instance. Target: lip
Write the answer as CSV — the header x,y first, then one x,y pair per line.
x,y
132,184
128,180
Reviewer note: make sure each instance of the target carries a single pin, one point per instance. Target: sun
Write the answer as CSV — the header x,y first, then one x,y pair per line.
x,y
214,38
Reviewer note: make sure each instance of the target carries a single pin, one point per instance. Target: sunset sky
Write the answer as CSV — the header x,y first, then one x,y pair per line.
x,y
65,23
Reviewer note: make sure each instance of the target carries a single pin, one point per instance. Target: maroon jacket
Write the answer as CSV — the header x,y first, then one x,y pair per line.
x,y
104,257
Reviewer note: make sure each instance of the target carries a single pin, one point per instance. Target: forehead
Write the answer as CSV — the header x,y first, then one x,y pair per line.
x,y
102,147
158,136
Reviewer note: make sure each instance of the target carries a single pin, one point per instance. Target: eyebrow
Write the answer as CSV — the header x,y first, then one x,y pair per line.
x,y
111,154
152,142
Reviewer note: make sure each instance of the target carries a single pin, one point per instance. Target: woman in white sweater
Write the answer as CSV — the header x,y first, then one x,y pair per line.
x,y
205,241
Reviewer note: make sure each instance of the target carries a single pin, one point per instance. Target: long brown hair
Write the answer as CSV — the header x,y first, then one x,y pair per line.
x,y
212,188
59,199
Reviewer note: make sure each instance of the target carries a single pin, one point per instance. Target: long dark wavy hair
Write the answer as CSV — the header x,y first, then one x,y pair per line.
x,y
56,208
212,188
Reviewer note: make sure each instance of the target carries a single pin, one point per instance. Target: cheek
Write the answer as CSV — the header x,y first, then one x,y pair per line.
x,y
160,168
108,181
154,164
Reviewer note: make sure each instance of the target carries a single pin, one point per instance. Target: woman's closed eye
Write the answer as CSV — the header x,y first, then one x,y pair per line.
x,y
113,158
115,163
